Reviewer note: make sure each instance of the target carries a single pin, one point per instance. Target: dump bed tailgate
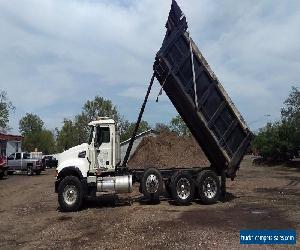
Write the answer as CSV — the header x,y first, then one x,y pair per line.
x,y
211,116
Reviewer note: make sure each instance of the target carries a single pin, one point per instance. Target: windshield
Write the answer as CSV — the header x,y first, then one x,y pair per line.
x,y
91,135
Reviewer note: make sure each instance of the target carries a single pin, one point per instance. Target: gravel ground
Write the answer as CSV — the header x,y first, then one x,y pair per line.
x,y
261,197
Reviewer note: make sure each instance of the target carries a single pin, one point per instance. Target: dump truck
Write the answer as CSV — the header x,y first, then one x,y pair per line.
x,y
95,167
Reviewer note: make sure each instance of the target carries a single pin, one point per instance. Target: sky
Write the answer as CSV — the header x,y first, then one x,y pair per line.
x,y
57,54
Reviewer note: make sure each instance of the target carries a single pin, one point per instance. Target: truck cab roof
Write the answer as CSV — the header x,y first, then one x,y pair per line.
x,y
102,120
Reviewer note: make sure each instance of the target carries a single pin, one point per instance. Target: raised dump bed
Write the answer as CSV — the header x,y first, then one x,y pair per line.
x,y
210,115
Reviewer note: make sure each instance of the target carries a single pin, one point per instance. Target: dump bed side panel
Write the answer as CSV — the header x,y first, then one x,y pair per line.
x,y
217,125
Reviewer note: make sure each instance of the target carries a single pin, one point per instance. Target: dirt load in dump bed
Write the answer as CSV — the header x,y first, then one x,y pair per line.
x,y
168,150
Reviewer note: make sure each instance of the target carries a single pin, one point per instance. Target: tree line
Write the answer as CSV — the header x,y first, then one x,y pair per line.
x,y
279,140
75,131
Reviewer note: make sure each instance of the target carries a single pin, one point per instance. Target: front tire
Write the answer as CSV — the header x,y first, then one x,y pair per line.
x,y
70,194
29,170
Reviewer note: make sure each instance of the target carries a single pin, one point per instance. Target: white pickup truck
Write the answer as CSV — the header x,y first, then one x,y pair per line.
x,y
22,162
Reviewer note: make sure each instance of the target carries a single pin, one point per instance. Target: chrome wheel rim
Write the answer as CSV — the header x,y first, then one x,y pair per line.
x,y
210,187
152,183
183,188
70,194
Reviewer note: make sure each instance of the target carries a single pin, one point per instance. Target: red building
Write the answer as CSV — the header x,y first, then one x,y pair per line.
x,y
10,144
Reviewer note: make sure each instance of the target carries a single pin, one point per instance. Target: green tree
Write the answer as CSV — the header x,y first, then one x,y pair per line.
x,y
81,128
5,107
76,131
291,109
291,115
93,110
161,128
274,141
280,140
35,135
178,126
100,107
30,123
47,142
68,136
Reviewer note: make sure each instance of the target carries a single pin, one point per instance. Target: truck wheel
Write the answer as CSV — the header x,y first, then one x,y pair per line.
x,y
38,172
29,170
208,187
70,194
152,184
182,188
1,175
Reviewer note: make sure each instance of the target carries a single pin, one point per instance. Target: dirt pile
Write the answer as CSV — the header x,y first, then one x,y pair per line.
x,y
168,150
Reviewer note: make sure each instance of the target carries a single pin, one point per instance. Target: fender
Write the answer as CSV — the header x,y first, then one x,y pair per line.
x,y
80,165
71,170
68,171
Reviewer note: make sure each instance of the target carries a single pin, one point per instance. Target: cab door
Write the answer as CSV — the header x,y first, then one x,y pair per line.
x,y
11,162
103,146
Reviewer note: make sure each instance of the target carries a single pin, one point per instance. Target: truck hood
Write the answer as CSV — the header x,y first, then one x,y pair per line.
x,y
72,153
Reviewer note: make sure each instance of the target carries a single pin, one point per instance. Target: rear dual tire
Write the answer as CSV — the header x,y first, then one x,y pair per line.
x,y
208,187
152,184
182,188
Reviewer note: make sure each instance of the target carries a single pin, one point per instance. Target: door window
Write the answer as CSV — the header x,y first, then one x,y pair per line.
x,y
11,157
103,135
18,156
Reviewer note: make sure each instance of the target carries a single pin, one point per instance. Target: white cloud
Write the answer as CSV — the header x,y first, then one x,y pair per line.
x,y
55,54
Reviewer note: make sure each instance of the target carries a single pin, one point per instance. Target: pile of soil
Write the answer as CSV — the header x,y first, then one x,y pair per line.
x,y
168,150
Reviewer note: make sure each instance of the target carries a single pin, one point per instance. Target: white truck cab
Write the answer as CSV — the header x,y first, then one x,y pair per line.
x,y
104,145
90,167
100,154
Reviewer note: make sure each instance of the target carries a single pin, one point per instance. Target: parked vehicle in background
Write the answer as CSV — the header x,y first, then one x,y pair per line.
x,y
3,166
39,156
23,162
49,161
36,155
